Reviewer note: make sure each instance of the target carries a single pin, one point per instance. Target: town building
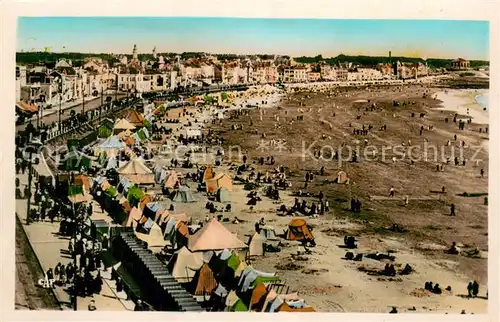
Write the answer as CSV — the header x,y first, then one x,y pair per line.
x,y
21,80
460,64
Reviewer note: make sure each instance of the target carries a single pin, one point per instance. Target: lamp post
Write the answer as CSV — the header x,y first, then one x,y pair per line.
x,y
83,96
60,101
100,106
116,87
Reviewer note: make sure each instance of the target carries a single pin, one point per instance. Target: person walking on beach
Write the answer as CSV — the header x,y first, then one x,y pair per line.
x,y
482,173
391,192
452,210
406,200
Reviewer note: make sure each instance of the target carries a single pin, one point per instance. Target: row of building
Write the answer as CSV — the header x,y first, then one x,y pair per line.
x,y
65,83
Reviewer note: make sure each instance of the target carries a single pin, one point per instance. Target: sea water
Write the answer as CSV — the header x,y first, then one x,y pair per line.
x,y
483,100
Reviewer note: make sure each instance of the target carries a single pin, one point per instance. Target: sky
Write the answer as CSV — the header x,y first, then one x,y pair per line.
x,y
295,37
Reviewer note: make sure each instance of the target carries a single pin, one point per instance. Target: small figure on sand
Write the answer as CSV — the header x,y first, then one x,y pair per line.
x,y
391,192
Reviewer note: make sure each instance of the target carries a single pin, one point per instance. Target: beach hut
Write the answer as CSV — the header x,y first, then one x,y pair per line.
x,y
137,172
184,195
184,265
112,145
208,174
218,181
105,129
122,125
75,161
223,195
298,230
150,233
171,180
204,282
151,210
124,185
214,236
256,245
134,195
133,218
135,118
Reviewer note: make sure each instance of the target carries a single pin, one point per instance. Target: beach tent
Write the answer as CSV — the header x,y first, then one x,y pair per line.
x,y
153,237
239,306
124,134
144,200
160,174
171,180
112,163
231,299
271,306
133,217
220,180
204,281
105,185
137,172
268,233
256,245
184,195
298,230
97,183
129,141
258,297
134,195
108,123
76,160
223,195
171,223
342,177
113,142
143,134
251,277
123,125
209,174
104,132
151,210
184,265
124,185
161,217
214,236
136,137
102,158
135,118
84,181
126,207
79,198
241,267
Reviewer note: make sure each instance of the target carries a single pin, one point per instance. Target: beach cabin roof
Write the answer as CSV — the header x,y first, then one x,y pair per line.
x,y
214,236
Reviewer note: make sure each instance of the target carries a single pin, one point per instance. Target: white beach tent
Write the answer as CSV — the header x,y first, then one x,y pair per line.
x,y
111,143
214,236
185,264
123,124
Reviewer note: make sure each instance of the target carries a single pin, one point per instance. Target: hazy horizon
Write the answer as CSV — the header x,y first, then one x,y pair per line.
x,y
293,37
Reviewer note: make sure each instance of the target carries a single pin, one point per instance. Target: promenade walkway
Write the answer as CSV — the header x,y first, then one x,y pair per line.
x,y
49,249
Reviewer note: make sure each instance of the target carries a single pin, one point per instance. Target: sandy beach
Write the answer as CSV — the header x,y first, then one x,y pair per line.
x,y
464,103
324,279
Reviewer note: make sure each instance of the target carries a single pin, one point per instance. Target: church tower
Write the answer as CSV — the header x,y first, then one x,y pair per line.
x,y
134,53
154,52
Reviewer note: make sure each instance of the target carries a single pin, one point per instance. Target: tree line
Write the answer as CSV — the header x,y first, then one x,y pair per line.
x,y
375,60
